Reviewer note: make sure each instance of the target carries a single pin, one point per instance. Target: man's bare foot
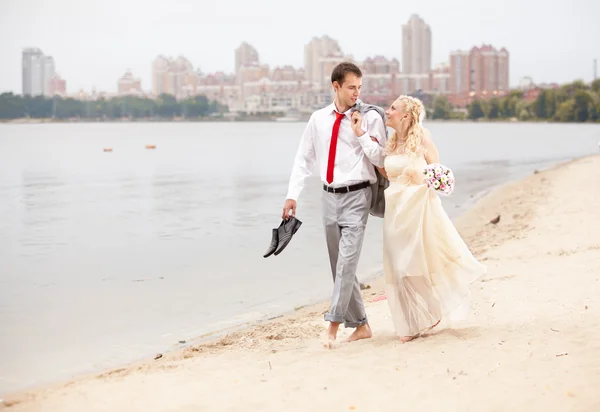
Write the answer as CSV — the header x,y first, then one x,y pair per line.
x,y
329,344
361,332
331,335
332,330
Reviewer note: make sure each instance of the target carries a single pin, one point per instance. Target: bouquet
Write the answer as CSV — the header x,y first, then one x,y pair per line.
x,y
439,178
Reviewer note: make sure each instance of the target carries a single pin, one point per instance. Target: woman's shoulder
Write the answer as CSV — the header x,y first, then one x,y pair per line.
x,y
426,135
427,141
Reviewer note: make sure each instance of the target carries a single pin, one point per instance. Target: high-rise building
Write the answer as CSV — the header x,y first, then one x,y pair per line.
x,y
48,74
245,55
251,73
33,79
380,65
481,71
160,75
58,87
173,76
321,55
439,79
286,73
379,79
416,46
129,85
460,73
38,72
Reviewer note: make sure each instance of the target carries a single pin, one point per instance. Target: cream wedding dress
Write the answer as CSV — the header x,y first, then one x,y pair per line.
x,y
428,268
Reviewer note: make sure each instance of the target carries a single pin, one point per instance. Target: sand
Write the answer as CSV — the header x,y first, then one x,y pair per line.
x,y
532,342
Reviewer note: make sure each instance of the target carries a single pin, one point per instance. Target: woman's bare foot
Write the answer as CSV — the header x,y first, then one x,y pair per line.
x,y
405,339
436,323
361,332
431,327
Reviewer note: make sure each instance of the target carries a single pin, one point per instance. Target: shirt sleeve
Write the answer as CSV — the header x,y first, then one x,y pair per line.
x,y
373,127
303,162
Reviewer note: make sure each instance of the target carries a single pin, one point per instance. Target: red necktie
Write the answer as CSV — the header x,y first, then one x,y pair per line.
x,y
333,145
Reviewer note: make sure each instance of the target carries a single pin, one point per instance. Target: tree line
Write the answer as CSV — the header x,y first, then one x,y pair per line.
x,y
14,106
573,102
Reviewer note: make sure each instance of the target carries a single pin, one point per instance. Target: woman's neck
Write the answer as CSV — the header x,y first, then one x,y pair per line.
x,y
402,135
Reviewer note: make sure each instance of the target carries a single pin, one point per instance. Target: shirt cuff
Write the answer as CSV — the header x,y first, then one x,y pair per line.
x,y
293,194
365,139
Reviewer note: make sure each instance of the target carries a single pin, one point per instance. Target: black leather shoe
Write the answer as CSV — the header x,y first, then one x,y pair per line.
x,y
286,230
274,242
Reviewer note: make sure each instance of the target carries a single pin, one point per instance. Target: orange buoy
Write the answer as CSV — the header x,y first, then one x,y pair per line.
x,y
150,146
108,149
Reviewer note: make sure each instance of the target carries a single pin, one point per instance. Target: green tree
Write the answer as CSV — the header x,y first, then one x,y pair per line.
x,y
14,106
68,108
517,94
197,106
476,110
566,112
502,102
541,105
510,106
595,109
441,108
167,106
38,107
569,89
581,105
551,103
11,106
523,110
494,108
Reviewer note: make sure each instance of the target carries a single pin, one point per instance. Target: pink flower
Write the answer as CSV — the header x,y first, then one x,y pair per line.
x,y
438,177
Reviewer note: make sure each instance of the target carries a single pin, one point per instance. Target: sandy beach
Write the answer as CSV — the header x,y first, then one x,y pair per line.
x,y
531,343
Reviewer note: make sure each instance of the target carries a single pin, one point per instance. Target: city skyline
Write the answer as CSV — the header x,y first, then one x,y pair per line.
x,y
91,53
485,69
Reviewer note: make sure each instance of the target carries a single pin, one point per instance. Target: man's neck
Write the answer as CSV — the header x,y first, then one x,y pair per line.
x,y
341,108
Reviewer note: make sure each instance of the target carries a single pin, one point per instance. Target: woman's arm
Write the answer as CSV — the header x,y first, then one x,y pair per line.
x,y
431,151
382,171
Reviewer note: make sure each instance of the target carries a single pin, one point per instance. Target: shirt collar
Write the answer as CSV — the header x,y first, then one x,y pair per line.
x,y
331,108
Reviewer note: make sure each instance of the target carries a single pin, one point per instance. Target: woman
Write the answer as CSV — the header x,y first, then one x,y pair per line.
x,y
428,268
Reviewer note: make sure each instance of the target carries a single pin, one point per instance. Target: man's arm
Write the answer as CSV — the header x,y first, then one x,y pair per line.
x,y
303,167
371,136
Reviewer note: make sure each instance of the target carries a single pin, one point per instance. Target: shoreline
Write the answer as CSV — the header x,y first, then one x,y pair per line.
x,y
28,121
372,280
520,197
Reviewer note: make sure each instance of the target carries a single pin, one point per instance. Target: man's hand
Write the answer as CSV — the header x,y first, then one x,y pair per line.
x,y
357,123
290,204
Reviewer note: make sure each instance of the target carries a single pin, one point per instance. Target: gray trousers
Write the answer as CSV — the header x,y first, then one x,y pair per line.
x,y
345,218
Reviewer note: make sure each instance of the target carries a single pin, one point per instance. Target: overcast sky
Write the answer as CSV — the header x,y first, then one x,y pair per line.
x,y
94,42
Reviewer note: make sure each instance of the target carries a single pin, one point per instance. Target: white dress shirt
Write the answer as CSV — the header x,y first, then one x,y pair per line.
x,y
354,158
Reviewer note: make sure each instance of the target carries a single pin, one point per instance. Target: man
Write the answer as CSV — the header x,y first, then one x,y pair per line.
x,y
345,148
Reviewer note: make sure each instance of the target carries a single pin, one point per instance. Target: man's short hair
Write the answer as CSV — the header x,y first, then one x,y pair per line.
x,y
341,70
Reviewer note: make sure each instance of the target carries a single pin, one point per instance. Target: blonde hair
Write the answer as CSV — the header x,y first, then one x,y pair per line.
x,y
415,133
